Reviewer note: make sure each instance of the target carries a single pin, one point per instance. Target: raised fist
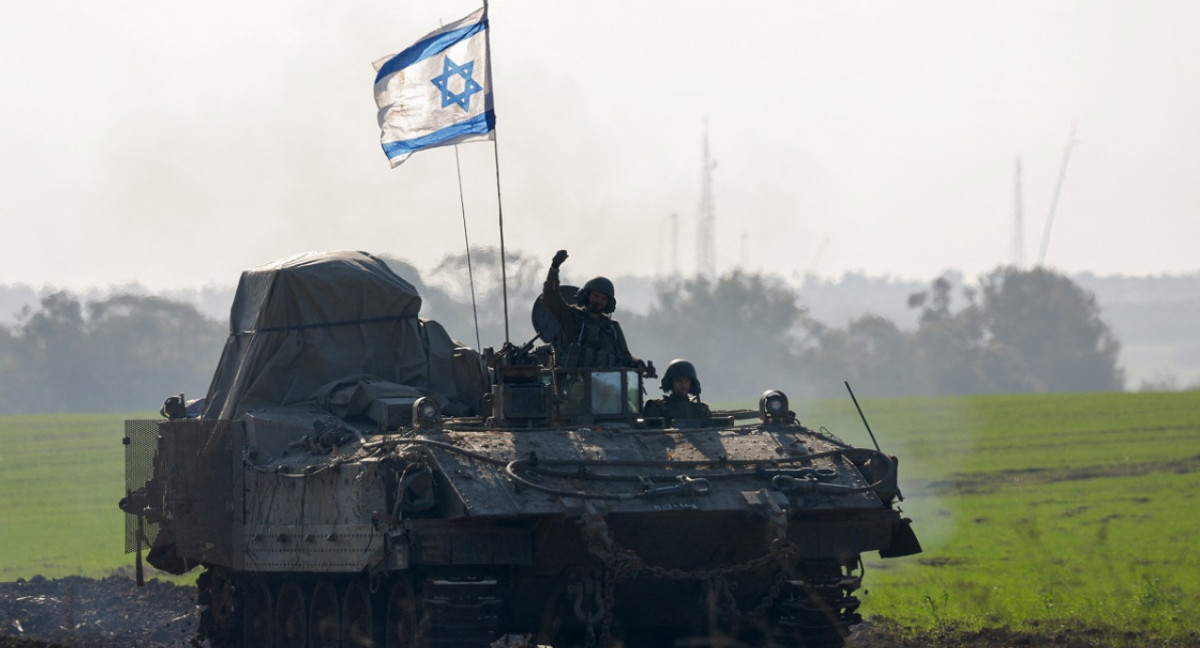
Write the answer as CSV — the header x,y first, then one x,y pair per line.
x,y
559,257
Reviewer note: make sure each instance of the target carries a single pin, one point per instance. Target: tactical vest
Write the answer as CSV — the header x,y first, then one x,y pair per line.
x,y
596,345
674,407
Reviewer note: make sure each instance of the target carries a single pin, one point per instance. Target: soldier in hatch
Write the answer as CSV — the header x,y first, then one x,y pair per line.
x,y
682,399
588,336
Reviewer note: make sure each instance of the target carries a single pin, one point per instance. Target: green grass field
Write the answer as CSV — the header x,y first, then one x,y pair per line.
x,y
1043,513
61,477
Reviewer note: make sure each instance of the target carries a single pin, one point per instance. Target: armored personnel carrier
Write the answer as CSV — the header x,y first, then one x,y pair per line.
x,y
354,477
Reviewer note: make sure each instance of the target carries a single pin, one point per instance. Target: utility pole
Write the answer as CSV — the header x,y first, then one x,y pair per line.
x,y
675,245
706,243
671,226
1018,242
812,267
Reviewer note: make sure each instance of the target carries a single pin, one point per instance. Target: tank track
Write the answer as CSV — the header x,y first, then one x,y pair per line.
x,y
817,610
348,610
458,613
810,606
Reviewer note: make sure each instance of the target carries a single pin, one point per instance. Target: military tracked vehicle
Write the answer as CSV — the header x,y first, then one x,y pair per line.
x,y
354,477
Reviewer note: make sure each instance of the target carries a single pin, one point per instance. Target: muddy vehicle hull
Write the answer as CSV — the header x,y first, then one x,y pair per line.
x,y
474,542
408,512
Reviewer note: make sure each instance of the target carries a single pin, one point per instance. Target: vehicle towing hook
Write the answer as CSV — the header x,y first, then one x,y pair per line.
x,y
695,486
788,484
686,486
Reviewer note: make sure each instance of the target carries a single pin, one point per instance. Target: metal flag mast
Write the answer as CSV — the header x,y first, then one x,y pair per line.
x,y
487,39
462,205
411,120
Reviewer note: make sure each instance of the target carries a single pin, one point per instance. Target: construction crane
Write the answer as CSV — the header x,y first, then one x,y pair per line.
x,y
812,267
1062,173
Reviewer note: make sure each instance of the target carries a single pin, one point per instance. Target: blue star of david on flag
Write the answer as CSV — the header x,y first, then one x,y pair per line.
x,y
470,87
417,90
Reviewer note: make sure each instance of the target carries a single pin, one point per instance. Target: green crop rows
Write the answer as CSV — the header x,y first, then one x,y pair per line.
x,y
1049,513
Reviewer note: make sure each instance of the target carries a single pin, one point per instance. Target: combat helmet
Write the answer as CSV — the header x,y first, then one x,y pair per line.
x,y
680,368
600,285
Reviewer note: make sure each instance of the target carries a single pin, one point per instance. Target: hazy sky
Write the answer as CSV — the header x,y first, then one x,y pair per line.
x,y
176,144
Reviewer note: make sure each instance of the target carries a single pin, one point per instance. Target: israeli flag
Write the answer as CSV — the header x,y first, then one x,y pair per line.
x,y
438,91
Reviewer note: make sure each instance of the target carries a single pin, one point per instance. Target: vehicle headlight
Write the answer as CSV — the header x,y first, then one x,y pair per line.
x,y
426,412
773,406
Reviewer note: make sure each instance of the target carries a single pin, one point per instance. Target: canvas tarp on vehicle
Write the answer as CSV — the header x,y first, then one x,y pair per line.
x,y
303,324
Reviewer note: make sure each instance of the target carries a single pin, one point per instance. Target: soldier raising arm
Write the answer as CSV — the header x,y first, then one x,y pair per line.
x,y
588,336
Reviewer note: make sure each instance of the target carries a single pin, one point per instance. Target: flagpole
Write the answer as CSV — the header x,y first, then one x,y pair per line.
x,y
462,203
487,40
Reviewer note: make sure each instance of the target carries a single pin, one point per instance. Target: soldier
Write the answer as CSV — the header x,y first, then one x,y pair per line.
x,y
682,400
588,336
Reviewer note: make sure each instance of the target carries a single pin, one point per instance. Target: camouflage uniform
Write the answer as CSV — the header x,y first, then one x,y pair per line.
x,y
584,340
677,406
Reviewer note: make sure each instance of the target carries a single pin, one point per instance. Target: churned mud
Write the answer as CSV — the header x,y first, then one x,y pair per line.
x,y
109,613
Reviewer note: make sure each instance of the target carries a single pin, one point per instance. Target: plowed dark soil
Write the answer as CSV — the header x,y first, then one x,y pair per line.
x,y
115,613
109,613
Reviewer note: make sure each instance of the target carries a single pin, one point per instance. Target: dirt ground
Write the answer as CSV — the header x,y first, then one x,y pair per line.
x,y
115,613
109,613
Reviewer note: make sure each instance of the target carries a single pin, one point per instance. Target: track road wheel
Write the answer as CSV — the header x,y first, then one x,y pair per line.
x,y
291,616
358,619
214,590
401,618
258,616
324,617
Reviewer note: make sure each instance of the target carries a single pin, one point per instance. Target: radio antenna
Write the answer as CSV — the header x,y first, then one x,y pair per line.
x,y
861,415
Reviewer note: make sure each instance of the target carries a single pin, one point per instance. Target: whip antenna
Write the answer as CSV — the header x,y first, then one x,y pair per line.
x,y
861,415
467,243
503,265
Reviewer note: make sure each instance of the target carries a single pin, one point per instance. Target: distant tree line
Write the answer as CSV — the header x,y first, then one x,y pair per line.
x,y
1018,331
123,353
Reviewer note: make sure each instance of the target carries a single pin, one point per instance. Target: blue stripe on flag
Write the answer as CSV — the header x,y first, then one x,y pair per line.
x,y
477,125
431,46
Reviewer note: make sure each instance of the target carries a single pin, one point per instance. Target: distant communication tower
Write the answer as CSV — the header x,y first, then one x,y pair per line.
x,y
1018,242
706,241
